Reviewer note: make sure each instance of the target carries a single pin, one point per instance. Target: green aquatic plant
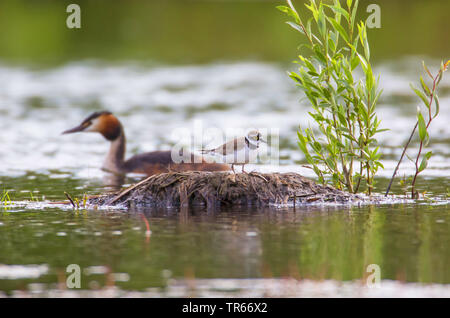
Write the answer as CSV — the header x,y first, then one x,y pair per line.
x,y
33,198
404,184
75,202
5,199
429,97
346,152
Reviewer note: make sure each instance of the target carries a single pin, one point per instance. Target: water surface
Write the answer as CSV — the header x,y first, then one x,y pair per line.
x,y
410,242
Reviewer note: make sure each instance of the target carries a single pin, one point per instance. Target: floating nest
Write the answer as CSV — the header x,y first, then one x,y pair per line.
x,y
200,188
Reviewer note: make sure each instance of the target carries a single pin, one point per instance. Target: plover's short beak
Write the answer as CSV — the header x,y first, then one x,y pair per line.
x,y
74,130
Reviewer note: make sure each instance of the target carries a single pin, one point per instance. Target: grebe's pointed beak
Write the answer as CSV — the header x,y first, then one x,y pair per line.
x,y
262,140
74,130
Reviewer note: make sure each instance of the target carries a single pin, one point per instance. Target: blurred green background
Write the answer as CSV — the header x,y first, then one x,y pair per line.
x,y
198,31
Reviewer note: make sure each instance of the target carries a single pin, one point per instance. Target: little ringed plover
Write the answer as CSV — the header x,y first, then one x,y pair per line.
x,y
238,151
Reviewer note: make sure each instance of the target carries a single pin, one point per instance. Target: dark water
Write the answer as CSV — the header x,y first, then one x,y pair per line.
x,y
165,65
410,242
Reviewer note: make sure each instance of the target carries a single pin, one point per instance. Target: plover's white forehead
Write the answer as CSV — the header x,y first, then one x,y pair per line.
x,y
253,133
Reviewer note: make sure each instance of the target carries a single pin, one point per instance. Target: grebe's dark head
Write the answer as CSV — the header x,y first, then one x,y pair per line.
x,y
103,122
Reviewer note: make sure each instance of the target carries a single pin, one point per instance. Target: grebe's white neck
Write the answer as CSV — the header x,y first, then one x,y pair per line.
x,y
115,159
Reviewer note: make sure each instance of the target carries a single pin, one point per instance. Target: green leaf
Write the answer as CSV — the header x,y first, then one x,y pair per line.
x,y
309,158
295,77
427,140
349,3
301,146
363,62
317,39
319,174
423,164
330,163
421,95
342,119
308,64
422,126
308,27
436,101
321,23
354,63
313,9
355,7
302,142
317,146
439,78
320,57
338,9
282,8
331,42
339,28
289,12
427,70
362,32
295,26
369,77
424,86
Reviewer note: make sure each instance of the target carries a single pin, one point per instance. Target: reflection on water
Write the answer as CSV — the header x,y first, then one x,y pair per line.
x,y
408,242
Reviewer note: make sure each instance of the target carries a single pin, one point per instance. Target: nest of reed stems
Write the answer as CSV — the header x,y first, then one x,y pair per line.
x,y
210,189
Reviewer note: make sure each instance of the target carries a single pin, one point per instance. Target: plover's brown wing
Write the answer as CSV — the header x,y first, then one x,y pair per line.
x,y
230,147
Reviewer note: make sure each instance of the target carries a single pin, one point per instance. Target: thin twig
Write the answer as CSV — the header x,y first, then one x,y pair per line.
x,y
430,119
253,173
401,158
129,189
70,199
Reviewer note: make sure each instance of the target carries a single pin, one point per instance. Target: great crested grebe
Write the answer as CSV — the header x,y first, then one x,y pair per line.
x,y
149,163
239,151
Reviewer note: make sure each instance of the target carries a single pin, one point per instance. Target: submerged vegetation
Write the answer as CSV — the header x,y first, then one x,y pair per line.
x,y
5,199
343,105
75,202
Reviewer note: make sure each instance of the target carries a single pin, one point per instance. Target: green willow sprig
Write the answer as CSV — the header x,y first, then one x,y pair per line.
x,y
429,97
346,152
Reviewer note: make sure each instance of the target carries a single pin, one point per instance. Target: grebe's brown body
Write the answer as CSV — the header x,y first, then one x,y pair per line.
x,y
149,163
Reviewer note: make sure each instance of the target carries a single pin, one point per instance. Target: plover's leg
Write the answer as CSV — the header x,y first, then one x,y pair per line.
x,y
232,168
243,171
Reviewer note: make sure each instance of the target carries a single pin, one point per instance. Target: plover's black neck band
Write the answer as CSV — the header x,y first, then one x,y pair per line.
x,y
250,144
